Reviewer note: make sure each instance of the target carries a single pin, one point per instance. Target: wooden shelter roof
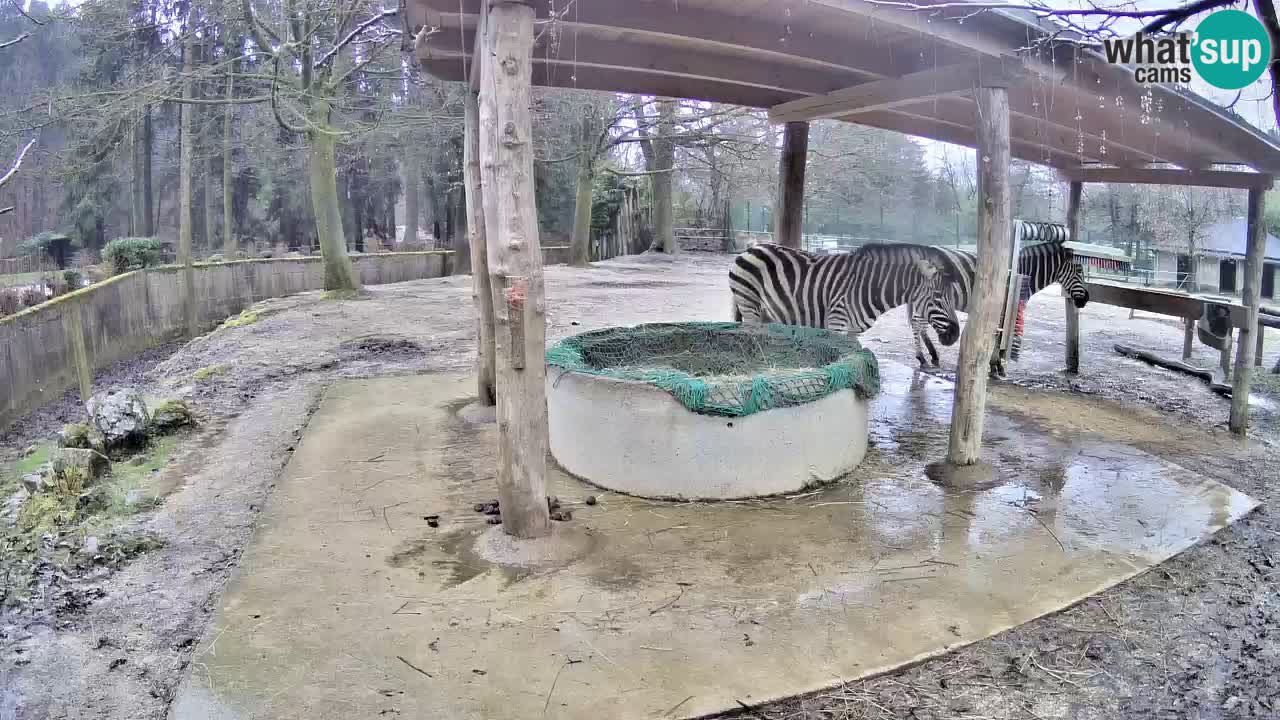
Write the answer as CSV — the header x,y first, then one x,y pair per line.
x,y
884,67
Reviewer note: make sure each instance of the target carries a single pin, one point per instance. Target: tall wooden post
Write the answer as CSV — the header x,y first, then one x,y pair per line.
x,y
1188,337
515,267
1073,313
990,278
481,294
788,224
1251,295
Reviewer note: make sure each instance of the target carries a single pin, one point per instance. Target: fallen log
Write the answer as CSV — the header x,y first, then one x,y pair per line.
x,y
1151,358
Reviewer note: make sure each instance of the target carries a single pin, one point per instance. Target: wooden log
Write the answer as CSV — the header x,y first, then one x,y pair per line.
x,y
789,225
481,294
1188,337
515,268
1153,359
1075,191
967,413
1251,296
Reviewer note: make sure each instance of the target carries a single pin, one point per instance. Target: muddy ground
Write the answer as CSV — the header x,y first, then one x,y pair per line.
x,y
1197,638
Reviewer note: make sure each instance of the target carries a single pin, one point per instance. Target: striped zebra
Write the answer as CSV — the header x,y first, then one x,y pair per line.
x,y
1045,263
844,293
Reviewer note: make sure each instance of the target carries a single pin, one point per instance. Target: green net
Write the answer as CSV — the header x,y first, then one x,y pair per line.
x,y
724,368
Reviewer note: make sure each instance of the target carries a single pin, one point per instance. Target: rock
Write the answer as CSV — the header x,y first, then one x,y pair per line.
x,y
91,545
170,415
33,482
30,450
74,435
215,258
74,466
120,415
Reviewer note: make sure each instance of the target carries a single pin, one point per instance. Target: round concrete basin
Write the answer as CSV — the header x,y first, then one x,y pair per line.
x,y
635,438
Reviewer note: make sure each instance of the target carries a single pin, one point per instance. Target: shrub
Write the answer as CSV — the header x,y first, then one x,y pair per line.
x,y
132,253
10,301
72,278
32,297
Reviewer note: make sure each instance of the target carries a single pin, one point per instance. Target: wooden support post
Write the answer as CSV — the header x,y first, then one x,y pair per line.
x,y
1073,313
1188,337
1224,358
515,267
73,326
788,226
1257,350
481,295
989,282
1251,296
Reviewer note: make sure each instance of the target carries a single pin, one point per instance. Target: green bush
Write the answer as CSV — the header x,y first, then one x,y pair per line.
x,y
37,245
72,278
132,253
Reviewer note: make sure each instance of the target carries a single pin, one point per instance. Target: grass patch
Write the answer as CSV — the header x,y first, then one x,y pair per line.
x,y
343,295
15,279
246,317
32,462
72,513
209,371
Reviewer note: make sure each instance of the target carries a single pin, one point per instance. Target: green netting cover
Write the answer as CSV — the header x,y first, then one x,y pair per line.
x,y
725,368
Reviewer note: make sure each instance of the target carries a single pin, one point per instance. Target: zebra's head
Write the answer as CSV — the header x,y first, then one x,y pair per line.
x,y
1071,277
934,301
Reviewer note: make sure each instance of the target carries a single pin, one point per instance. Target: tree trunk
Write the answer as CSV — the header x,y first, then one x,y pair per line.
x,y
789,219
412,178
461,242
515,266
580,245
1251,297
988,296
481,293
1074,194
228,221
184,191
147,207
664,153
338,272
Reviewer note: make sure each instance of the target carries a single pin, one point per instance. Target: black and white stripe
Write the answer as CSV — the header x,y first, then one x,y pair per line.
x,y
1045,262
845,293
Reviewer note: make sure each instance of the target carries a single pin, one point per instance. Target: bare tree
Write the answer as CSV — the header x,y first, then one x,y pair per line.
x,y
315,79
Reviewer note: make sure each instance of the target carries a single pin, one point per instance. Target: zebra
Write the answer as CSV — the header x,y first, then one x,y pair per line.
x,y
1045,263
844,293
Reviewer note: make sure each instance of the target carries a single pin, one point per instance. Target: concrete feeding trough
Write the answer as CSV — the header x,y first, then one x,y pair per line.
x,y
709,411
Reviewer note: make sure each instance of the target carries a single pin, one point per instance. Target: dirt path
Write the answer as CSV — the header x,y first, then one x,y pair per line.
x,y
1197,638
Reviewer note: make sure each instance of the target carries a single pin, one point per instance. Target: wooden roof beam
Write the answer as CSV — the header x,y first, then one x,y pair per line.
x,y
894,92
1170,176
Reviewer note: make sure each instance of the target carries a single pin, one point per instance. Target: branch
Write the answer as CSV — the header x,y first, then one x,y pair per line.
x,y
257,28
6,210
1176,16
275,105
16,164
551,161
1043,11
639,173
18,6
15,41
354,34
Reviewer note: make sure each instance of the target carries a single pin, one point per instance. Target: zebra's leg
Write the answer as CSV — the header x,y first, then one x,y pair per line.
x,y
920,336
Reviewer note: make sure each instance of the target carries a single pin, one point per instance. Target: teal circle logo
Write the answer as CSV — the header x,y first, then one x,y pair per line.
x,y
1232,49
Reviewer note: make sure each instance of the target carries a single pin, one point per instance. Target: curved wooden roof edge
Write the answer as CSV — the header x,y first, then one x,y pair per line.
x,y
853,60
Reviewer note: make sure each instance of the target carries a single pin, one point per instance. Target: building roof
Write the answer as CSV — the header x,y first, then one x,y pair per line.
x,y
1097,251
1230,238
875,65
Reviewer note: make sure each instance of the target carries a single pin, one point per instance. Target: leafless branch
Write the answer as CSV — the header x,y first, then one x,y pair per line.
x,y
15,41
355,33
6,210
16,164
1044,11
18,6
